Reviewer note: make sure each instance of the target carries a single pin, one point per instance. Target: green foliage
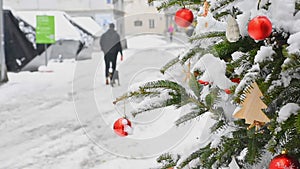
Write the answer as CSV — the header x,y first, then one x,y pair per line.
x,y
222,4
220,11
225,151
225,49
293,63
297,122
220,125
169,65
212,97
278,80
297,5
254,147
203,152
190,116
280,96
209,157
276,65
165,4
244,62
288,137
193,52
209,100
167,160
178,95
198,39
195,86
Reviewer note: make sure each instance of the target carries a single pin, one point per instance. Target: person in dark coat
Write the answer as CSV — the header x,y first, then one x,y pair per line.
x,y
111,46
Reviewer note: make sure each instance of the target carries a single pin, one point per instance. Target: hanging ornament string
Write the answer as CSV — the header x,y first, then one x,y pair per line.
x,y
184,17
258,4
124,103
182,3
123,126
187,72
124,108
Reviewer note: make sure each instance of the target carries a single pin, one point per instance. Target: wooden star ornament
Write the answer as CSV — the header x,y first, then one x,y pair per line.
x,y
187,72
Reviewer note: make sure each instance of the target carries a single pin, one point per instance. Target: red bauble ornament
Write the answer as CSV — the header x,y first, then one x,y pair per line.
x,y
184,17
203,82
284,161
259,28
228,91
236,80
122,127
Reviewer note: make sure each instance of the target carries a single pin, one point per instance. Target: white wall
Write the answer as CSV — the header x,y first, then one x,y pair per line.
x,y
139,10
102,11
65,5
159,24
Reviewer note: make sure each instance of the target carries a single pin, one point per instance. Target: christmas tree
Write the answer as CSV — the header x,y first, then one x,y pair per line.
x,y
236,43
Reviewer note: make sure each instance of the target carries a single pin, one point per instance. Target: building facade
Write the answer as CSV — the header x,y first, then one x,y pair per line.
x,y
103,11
141,17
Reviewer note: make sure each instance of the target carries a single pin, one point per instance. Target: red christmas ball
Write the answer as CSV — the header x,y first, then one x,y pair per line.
x,y
203,82
284,161
259,28
184,17
228,91
121,126
236,80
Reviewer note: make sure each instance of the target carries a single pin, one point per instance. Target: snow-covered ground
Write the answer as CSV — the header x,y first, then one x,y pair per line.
x,y
63,119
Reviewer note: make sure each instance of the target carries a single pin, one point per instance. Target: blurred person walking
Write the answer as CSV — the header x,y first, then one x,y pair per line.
x,y
110,44
171,31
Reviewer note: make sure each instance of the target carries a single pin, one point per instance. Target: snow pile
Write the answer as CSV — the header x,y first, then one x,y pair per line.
x,y
294,42
64,30
214,71
264,54
236,55
40,128
89,25
287,110
208,24
282,18
150,42
148,102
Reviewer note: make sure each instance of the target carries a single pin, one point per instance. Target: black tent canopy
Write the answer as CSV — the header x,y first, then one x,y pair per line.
x,y
19,44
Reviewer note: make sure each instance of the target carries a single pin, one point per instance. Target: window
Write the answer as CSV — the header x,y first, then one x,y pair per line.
x,y
138,23
151,24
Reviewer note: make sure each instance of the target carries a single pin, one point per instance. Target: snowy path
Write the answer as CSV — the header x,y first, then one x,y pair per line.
x,y
40,129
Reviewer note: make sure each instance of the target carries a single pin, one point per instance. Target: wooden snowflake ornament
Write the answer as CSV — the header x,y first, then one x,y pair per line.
x,y
252,107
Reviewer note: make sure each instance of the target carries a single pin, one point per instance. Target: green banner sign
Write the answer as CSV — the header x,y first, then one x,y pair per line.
x,y
45,29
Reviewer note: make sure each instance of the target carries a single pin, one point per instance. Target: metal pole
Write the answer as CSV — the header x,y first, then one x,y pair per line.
x,y
46,57
3,73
